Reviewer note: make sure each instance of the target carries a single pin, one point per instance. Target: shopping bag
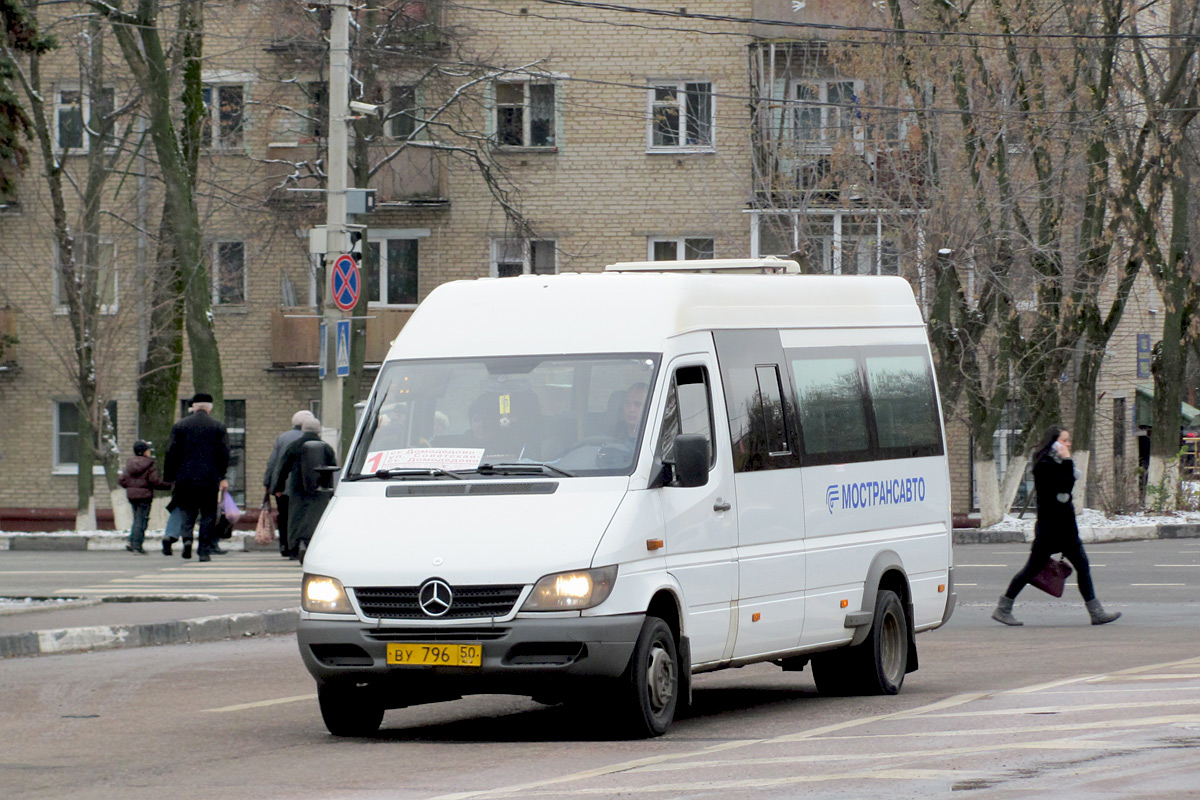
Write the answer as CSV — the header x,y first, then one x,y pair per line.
x,y
1053,577
264,531
229,508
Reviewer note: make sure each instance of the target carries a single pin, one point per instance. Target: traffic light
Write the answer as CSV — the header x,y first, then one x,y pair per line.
x,y
356,246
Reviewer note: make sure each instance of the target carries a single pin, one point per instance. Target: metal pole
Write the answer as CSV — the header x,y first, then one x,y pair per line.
x,y
337,241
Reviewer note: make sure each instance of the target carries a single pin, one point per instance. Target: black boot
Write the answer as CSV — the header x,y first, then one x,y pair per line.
x,y
167,542
187,548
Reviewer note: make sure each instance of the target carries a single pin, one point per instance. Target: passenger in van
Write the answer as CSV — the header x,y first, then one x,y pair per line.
x,y
1054,477
391,429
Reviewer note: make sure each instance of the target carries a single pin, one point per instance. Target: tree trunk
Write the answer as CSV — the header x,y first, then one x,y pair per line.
x,y
1082,459
987,483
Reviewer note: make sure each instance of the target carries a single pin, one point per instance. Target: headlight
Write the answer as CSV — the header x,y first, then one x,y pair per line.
x,y
324,595
571,591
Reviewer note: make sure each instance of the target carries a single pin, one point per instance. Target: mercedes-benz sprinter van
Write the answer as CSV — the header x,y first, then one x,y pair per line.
x,y
592,487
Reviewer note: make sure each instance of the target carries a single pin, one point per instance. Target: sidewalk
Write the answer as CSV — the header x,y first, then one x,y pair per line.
x,y
91,623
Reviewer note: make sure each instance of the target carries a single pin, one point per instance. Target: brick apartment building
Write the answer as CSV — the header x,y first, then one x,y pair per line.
x,y
618,137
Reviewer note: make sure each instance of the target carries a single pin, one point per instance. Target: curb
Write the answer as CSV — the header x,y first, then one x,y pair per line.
x,y
1129,533
60,542
113,637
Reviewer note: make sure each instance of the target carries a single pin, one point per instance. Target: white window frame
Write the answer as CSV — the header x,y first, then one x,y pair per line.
x,y
60,305
825,142
382,236
214,249
85,111
680,243
831,247
498,246
60,467
526,82
214,82
680,106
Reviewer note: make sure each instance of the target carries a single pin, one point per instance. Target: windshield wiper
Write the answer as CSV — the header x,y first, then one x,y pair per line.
x,y
521,467
405,472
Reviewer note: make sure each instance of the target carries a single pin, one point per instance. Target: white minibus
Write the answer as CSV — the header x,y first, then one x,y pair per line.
x,y
589,488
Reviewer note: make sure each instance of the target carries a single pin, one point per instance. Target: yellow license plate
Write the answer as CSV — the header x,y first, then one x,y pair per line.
x,y
441,654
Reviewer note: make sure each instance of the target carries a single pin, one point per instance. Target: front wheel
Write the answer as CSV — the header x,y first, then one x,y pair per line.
x,y
349,709
650,686
878,664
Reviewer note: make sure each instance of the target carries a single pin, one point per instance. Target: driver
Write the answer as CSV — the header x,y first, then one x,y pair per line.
x,y
630,419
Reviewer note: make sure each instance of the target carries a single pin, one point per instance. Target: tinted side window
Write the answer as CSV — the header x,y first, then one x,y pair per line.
x,y
760,413
832,407
688,410
905,409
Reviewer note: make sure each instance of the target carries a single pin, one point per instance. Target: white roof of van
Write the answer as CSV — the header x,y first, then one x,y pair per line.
x,y
636,312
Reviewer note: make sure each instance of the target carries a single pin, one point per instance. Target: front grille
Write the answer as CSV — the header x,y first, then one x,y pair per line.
x,y
436,634
400,602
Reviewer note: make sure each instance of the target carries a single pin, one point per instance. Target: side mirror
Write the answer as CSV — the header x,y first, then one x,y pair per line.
x,y
691,460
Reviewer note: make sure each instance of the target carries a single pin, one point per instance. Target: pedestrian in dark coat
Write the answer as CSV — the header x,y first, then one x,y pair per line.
x,y
305,487
140,478
196,461
281,498
1054,479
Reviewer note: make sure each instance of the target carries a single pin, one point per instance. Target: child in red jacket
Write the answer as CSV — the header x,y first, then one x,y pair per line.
x,y
140,478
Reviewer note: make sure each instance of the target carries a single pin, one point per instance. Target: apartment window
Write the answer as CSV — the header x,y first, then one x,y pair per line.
x,y
402,111
681,249
832,243
525,114
318,109
826,112
225,115
390,271
229,273
511,257
681,115
106,275
66,435
71,108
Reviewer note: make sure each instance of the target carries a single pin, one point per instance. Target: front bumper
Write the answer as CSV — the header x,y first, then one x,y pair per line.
x,y
521,656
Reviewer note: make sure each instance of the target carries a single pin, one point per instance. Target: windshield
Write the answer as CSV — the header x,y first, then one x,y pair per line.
x,y
582,415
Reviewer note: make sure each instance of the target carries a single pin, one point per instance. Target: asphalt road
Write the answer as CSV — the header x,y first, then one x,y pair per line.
x,y
1055,706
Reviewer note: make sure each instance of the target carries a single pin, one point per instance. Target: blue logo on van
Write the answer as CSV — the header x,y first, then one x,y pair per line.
x,y
869,494
831,496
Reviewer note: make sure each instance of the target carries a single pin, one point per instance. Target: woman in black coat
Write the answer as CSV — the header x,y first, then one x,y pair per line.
x,y
1055,532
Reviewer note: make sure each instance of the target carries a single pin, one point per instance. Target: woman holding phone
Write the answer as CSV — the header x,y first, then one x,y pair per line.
x,y
1054,477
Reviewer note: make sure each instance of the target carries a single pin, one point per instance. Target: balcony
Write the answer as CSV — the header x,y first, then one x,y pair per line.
x,y
414,176
8,337
294,333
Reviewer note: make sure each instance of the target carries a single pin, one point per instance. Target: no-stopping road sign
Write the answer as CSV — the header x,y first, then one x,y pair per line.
x,y
345,282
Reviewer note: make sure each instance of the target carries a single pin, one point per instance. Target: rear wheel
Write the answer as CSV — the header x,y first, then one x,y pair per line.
x,y
349,709
878,664
649,690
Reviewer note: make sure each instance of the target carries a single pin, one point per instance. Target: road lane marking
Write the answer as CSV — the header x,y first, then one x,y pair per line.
x,y
63,571
261,704
948,702
1158,584
943,752
1169,677
1016,712
1173,566
1112,724
1006,566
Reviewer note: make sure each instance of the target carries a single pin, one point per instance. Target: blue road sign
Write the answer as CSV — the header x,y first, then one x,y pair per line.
x,y
343,348
345,282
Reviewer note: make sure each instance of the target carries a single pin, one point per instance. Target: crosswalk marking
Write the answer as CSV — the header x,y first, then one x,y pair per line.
x,y
242,576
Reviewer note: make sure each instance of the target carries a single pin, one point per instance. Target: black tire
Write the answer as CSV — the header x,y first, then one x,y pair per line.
x,y
878,665
349,709
649,689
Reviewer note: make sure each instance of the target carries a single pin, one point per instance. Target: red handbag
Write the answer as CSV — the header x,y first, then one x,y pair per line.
x,y
1053,577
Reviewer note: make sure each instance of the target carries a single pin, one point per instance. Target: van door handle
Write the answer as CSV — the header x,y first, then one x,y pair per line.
x,y
721,505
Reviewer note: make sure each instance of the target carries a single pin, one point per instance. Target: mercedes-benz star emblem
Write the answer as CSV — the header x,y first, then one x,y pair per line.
x,y
435,597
